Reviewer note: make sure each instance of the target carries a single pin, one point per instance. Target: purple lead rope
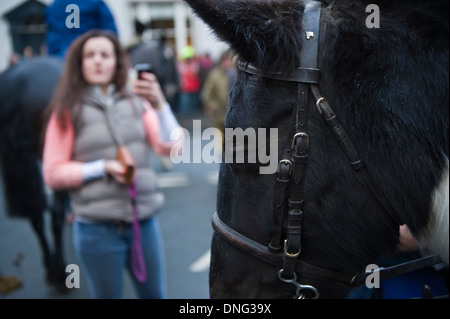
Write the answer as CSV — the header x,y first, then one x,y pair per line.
x,y
137,255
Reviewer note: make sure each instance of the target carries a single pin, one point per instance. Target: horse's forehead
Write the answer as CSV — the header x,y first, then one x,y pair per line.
x,y
259,103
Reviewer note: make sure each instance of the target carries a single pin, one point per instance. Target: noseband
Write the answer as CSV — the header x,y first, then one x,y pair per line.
x,y
284,252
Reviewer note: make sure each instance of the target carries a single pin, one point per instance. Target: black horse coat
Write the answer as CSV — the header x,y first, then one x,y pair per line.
x,y
389,88
25,92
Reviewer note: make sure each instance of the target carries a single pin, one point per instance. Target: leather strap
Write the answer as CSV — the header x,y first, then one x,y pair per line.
x,y
261,252
355,159
397,270
300,141
310,39
304,75
137,253
299,158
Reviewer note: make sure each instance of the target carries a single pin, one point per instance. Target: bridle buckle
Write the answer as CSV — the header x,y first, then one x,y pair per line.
x,y
291,255
285,162
298,136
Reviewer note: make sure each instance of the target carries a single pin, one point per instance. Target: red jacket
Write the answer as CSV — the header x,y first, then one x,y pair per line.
x,y
190,76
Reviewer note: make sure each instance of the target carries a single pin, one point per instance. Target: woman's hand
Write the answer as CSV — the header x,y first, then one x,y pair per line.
x,y
148,87
116,170
407,241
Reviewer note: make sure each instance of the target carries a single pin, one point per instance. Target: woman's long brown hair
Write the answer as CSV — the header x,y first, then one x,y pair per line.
x,y
72,86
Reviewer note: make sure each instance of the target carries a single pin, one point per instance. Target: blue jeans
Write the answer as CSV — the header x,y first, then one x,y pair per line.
x,y
104,251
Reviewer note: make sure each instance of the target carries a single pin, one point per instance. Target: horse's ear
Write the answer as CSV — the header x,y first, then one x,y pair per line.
x,y
263,32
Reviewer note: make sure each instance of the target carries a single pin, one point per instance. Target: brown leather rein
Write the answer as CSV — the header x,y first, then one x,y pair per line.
x,y
263,253
284,254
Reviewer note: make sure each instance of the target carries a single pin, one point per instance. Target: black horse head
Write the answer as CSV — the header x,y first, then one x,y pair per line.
x,y
388,85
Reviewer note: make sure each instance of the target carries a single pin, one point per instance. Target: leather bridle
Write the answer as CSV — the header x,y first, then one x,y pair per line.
x,y
290,176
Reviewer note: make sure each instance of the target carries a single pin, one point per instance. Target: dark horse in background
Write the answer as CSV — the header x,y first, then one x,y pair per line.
x,y
388,87
25,92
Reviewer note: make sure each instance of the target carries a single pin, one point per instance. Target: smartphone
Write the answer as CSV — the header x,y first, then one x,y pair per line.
x,y
143,67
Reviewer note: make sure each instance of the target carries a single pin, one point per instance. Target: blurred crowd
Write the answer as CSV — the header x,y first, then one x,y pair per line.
x,y
194,83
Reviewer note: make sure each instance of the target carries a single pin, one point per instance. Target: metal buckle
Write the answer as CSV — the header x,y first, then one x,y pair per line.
x,y
297,136
289,254
287,162
318,105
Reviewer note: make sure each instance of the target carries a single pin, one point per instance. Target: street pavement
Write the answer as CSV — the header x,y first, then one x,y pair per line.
x,y
190,191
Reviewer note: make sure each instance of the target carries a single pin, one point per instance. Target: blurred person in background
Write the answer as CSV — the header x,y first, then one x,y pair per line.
x,y
93,114
216,90
162,59
206,65
190,84
163,64
93,14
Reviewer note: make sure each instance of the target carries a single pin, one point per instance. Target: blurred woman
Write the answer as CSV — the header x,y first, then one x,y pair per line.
x,y
93,113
